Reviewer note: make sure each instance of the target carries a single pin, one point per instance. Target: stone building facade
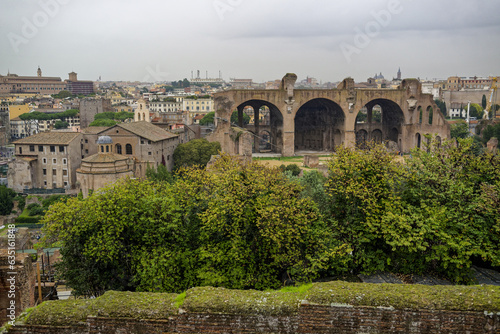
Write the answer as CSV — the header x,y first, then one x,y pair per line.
x,y
13,83
145,142
46,160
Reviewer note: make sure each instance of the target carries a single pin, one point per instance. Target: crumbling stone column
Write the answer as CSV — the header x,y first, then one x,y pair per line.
x,y
256,123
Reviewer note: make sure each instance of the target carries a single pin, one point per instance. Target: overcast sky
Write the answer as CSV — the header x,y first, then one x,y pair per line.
x,y
159,40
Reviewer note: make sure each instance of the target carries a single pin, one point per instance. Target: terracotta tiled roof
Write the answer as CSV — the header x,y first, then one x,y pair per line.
x,y
93,130
49,138
147,130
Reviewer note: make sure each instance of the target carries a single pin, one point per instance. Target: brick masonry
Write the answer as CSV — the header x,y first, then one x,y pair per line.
x,y
310,319
24,284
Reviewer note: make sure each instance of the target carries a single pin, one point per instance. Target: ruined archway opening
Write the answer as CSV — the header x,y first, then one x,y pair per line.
x,y
384,122
261,117
319,126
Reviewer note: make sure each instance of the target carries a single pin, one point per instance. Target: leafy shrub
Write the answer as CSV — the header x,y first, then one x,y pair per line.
x,y
293,168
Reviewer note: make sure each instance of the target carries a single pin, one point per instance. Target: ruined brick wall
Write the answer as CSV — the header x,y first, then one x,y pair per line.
x,y
310,319
321,319
24,290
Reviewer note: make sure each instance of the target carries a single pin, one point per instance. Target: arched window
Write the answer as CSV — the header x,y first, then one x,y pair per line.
x,y
118,149
143,116
102,149
128,149
107,148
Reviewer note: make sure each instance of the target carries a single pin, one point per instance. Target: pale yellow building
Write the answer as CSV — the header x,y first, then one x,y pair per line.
x,y
17,110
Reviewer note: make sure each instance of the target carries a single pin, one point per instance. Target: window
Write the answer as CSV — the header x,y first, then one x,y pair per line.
x,y
61,148
107,149
149,142
65,183
65,172
44,183
40,148
168,157
102,149
66,161
44,171
54,161
86,141
44,160
52,148
128,149
86,151
142,142
118,149
149,153
54,172
32,148
20,150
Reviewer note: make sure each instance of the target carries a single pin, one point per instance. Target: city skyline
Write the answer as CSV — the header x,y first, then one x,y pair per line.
x,y
165,41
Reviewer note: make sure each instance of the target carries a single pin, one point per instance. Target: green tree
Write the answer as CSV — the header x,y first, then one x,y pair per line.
x,y
491,130
161,174
484,102
424,216
196,152
103,122
119,116
442,106
256,229
459,129
234,118
476,111
360,185
61,125
294,169
6,200
208,118
62,94
118,236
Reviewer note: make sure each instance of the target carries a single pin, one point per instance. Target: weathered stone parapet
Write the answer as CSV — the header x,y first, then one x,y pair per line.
x,y
332,307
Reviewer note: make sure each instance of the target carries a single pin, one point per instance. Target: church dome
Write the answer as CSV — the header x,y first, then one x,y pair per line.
x,y
103,140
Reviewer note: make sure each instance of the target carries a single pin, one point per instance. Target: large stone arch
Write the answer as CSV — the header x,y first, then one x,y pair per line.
x,y
319,125
391,125
275,127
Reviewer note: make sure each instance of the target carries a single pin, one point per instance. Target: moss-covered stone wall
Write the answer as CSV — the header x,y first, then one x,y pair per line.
x,y
338,307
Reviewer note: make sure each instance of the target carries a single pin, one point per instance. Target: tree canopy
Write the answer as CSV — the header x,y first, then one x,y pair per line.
x,y
239,226
196,152
6,200
459,129
117,116
104,122
248,226
442,106
208,118
37,115
61,124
